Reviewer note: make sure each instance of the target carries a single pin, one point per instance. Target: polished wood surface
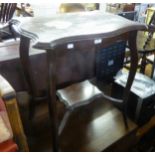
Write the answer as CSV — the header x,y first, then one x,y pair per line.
x,y
77,93
79,60
49,31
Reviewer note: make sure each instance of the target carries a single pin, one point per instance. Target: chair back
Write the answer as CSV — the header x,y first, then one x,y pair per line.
x,y
6,11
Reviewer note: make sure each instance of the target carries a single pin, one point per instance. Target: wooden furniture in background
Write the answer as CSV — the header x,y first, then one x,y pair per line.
x,y
128,7
6,13
68,33
147,49
120,7
145,46
9,96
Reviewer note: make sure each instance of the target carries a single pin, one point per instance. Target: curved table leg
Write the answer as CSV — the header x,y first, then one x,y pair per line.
x,y
132,71
52,98
25,61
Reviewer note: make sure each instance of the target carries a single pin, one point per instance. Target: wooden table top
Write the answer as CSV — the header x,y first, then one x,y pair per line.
x,y
60,28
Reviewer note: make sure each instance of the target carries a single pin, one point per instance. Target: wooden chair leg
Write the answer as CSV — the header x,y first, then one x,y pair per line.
x,y
16,124
54,127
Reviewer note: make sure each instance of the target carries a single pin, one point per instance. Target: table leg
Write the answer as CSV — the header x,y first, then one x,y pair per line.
x,y
132,71
26,66
52,98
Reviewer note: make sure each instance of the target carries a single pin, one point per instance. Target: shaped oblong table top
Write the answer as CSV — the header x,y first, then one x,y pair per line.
x,y
56,29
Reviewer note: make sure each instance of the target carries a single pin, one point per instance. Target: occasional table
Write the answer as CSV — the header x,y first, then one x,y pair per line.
x,y
49,33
